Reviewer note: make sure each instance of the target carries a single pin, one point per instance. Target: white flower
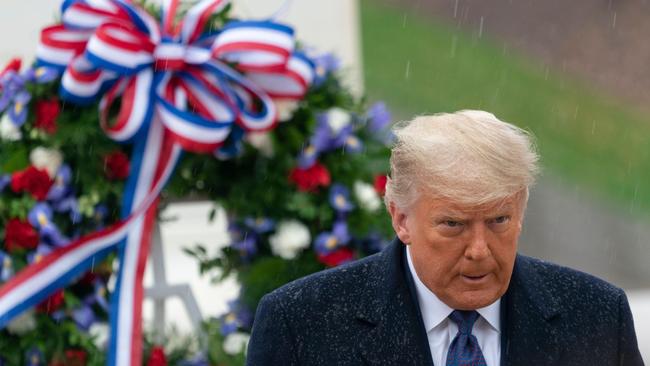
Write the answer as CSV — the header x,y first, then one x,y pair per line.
x,y
367,196
48,159
99,332
285,108
289,239
22,324
235,343
262,142
338,119
9,131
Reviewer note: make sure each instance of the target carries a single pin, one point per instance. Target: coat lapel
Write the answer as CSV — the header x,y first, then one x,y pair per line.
x,y
532,319
397,335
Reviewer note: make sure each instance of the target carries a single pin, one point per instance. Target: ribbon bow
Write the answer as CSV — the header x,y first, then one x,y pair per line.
x,y
180,71
178,91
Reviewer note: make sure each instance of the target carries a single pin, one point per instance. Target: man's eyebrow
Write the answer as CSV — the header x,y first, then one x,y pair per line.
x,y
464,214
451,213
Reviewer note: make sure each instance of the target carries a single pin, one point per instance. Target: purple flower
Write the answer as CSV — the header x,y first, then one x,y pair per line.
x,y
34,357
40,217
238,316
83,317
41,251
6,266
5,179
68,204
58,316
14,97
18,108
244,241
334,130
353,144
308,157
327,242
326,64
100,215
61,187
260,225
41,74
98,296
339,198
61,196
10,84
379,117
199,360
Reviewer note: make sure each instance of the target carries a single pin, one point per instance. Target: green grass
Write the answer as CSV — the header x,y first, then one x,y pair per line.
x,y
419,66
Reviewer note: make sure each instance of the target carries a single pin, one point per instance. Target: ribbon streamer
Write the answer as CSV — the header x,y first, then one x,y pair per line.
x,y
177,92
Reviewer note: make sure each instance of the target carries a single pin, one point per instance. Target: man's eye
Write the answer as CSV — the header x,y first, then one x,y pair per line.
x,y
452,223
501,219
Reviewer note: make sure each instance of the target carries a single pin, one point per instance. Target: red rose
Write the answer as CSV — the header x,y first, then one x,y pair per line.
x,y
157,357
380,184
311,178
47,111
75,357
116,165
32,180
20,234
336,257
51,304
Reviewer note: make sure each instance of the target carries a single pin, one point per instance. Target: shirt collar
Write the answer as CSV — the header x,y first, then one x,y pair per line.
x,y
435,311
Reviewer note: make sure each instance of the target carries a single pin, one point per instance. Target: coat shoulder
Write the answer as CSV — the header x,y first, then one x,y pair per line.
x,y
332,286
570,285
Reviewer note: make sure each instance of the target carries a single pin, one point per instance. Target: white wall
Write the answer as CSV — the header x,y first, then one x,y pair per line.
x,y
20,25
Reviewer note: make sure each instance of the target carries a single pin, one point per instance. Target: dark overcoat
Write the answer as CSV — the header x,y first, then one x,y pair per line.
x,y
366,313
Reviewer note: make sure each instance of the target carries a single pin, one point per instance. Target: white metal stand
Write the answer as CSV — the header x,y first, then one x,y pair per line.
x,y
161,291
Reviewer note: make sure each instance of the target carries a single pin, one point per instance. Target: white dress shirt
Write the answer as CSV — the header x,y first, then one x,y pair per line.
x,y
441,330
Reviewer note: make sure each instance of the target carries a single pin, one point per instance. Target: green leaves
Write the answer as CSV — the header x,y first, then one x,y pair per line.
x,y
15,157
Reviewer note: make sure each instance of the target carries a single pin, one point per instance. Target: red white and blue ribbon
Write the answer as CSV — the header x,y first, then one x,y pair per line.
x,y
177,91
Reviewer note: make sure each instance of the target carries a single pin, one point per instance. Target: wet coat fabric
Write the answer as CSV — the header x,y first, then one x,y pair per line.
x,y
366,313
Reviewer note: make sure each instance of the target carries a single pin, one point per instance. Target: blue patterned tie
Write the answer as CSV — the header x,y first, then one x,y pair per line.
x,y
464,349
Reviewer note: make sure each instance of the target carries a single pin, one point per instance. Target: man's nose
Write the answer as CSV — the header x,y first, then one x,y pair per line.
x,y
477,245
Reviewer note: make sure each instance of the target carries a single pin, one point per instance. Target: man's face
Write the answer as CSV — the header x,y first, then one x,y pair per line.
x,y
464,255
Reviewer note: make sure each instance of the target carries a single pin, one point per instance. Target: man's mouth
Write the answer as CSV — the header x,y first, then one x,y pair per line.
x,y
474,278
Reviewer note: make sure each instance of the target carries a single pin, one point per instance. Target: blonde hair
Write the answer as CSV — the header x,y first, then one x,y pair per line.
x,y
468,157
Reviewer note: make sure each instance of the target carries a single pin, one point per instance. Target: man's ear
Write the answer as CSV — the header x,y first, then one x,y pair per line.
x,y
399,219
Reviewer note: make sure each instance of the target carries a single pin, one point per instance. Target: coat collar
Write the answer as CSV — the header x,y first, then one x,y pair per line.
x,y
530,320
531,317
397,336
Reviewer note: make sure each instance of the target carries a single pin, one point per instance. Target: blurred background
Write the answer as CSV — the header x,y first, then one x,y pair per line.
x,y
573,73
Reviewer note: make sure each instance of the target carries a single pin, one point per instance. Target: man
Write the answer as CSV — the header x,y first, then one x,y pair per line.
x,y
451,289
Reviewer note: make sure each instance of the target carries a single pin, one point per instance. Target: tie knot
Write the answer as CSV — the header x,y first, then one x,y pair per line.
x,y
464,319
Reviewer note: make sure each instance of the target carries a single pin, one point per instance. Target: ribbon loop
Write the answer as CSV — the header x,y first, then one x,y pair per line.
x,y
255,45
